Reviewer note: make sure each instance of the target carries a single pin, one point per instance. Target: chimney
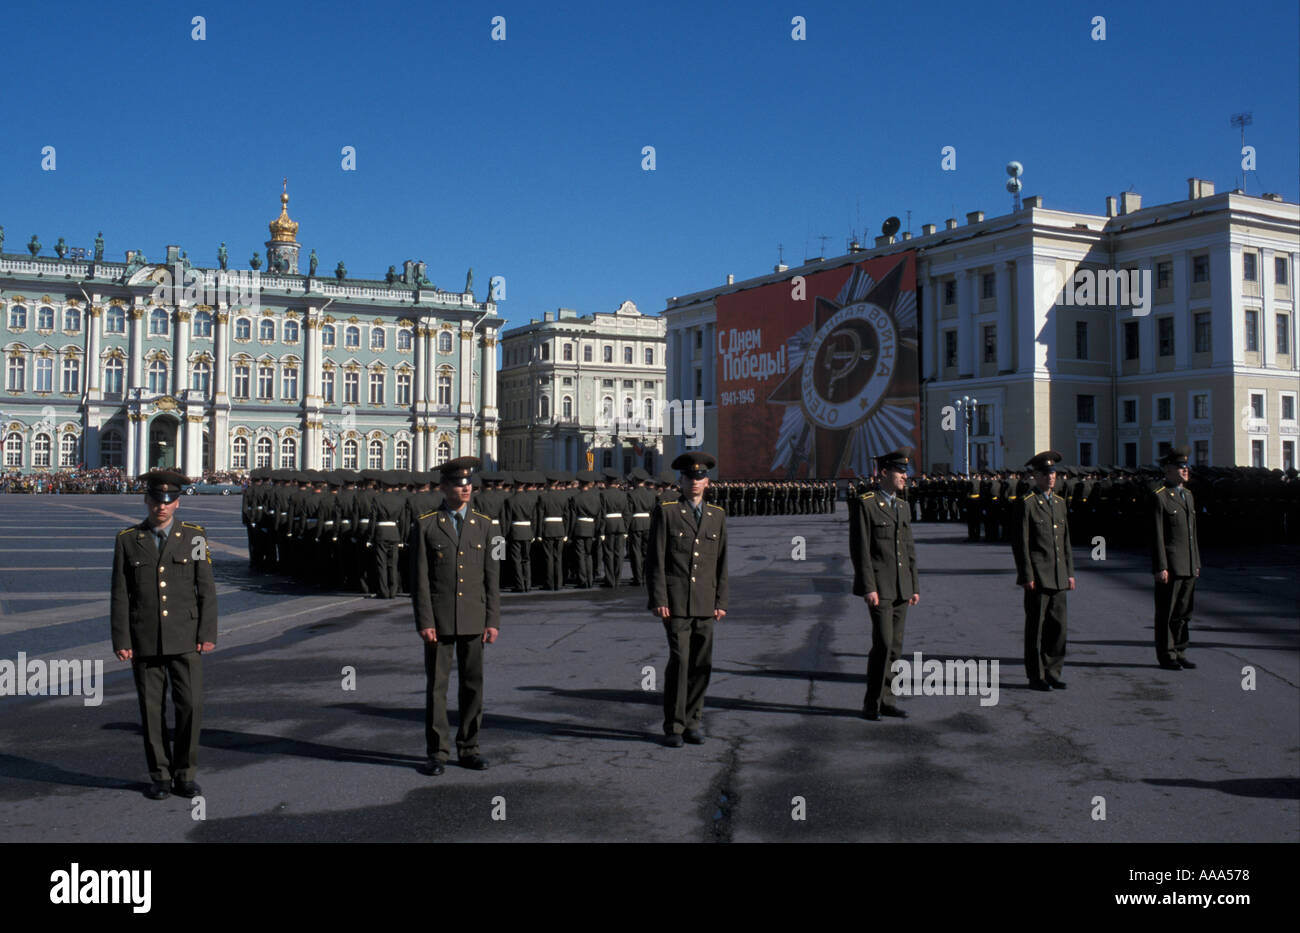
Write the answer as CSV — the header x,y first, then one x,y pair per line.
x,y
1270,196
1130,202
548,315
780,267
1033,201
731,279
1199,188
907,234
855,246
974,217
927,229
1111,209
950,223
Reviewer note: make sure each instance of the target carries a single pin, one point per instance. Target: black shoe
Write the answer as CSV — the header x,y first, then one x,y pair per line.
x,y
1042,685
1170,666
185,789
434,768
673,740
1055,682
893,711
1187,664
693,737
474,762
870,715
158,790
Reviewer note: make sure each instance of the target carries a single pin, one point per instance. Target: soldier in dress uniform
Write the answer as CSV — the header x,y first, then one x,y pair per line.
x,y
553,516
521,523
1175,560
584,516
616,514
388,528
456,597
164,617
884,575
1045,571
641,501
686,579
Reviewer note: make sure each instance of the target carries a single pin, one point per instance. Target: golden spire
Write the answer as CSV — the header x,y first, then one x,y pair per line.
x,y
284,230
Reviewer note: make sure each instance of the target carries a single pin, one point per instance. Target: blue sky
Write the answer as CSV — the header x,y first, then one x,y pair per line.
x,y
523,157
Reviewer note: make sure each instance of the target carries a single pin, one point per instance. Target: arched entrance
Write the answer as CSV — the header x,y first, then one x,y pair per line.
x,y
162,443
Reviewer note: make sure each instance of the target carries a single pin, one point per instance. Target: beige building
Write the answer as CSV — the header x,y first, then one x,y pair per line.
x,y
570,385
1109,337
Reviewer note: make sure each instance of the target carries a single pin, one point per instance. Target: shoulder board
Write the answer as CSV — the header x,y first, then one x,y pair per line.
x,y
427,514
192,525
719,508
867,495
481,515
1161,489
670,502
126,530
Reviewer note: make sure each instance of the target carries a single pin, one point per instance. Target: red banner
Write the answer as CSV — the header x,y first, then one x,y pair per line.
x,y
817,375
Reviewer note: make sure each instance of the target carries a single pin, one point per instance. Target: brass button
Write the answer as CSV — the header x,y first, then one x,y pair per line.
x,y
162,583
692,580
460,594
164,612
161,567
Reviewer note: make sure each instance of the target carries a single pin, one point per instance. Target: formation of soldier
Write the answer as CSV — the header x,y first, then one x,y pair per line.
x,y
1111,502
350,530
763,497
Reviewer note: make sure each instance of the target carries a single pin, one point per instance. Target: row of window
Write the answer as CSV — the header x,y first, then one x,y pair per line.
x,y
566,409
43,371
43,451
45,319
1163,408
1202,337
519,355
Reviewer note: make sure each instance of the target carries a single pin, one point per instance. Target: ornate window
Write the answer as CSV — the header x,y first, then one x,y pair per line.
x,y
291,331
544,407
110,448
327,386
265,381
71,381
16,374
352,337
444,386
45,321
41,452
326,454
68,445
402,458
72,320
404,339
349,454
243,329
241,380
17,318
351,387
444,341
567,407
114,373
202,324
14,450
158,326
403,388
375,454
239,453
158,377
264,448
114,320
266,329
649,411
376,338
376,388
288,454
201,377
289,383
44,374
649,356
327,335
444,451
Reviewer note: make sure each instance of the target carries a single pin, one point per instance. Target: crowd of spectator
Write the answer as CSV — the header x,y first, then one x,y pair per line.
x,y
101,480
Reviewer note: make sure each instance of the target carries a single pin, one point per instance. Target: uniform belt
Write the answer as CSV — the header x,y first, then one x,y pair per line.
x,y
364,521
640,514
581,518
553,518
327,524
613,514
387,524
522,523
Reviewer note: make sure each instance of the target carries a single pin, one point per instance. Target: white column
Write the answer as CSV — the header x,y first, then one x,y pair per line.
x,y
466,374
1229,320
1034,343
221,366
487,374
140,431
1267,326
1004,270
135,369
95,328
421,364
966,336
181,365
192,446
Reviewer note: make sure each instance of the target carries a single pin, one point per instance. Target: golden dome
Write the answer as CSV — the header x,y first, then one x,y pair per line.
x,y
283,229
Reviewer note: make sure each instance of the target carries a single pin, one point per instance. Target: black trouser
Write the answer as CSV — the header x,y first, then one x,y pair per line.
x,y
615,545
888,619
1045,622
522,564
637,547
552,556
686,678
582,555
1174,601
178,758
469,692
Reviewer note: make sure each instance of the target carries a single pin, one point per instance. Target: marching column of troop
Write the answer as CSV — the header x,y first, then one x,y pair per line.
x,y
350,530
761,497
1112,502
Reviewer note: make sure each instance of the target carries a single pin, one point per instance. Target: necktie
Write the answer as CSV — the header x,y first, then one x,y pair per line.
x,y
697,515
457,519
